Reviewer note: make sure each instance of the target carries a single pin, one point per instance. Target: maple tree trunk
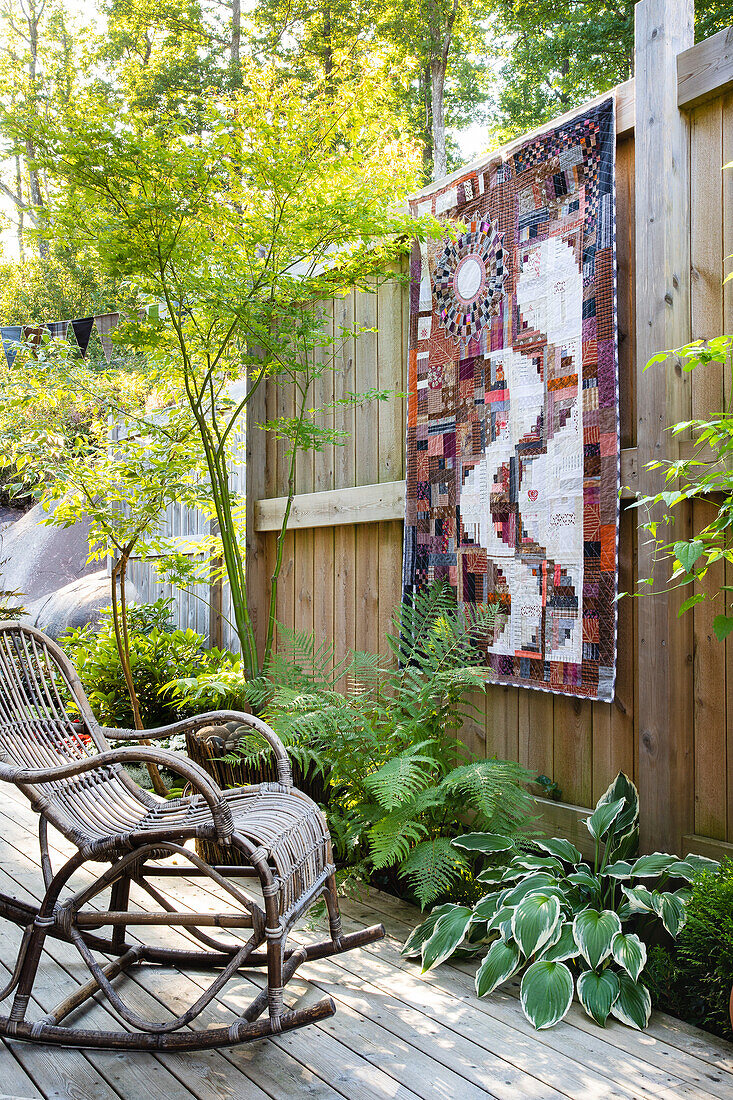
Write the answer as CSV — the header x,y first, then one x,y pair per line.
x,y
236,31
437,87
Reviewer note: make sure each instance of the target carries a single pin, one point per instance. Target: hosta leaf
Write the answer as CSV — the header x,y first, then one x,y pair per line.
x,y
593,932
586,881
491,875
563,849
539,863
539,882
639,899
478,933
535,919
701,863
418,936
653,865
625,845
603,817
597,992
628,819
564,947
633,1006
483,842
513,874
502,960
485,908
630,953
501,922
671,909
682,868
618,870
546,992
447,934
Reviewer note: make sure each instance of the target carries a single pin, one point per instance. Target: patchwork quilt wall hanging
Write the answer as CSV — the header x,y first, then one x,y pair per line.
x,y
512,428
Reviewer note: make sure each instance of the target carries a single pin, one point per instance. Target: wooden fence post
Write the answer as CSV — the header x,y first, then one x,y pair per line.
x,y
665,668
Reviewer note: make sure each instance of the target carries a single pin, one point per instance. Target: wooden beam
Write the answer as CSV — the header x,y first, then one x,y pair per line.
x,y
363,504
377,503
705,71
706,846
665,664
625,108
568,821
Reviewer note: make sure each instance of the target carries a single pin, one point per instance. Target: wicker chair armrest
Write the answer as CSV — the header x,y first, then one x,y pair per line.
x,y
213,718
187,769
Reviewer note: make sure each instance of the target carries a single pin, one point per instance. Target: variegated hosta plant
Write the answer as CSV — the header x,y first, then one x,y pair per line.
x,y
565,924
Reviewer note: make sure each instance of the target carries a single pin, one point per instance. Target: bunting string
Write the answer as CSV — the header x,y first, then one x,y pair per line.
x,y
15,337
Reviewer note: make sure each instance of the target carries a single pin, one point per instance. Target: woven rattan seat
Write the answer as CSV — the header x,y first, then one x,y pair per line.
x,y
56,753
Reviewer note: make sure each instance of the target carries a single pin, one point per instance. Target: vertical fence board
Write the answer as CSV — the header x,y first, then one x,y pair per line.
x,y
727,248
573,748
502,722
366,472
536,732
706,256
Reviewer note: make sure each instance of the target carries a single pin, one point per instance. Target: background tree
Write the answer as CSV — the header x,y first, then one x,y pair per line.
x,y
557,56
38,66
276,202
431,57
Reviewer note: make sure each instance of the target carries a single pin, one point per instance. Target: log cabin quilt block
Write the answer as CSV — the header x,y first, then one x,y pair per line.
x,y
512,433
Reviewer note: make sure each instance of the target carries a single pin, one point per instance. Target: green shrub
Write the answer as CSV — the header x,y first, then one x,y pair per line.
x,y
693,979
400,779
565,924
159,654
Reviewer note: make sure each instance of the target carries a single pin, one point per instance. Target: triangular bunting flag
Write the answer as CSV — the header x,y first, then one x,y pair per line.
x,y
106,323
82,329
57,329
11,336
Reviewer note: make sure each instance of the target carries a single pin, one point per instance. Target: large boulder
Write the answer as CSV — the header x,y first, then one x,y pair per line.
x,y
74,605
48,566
37,559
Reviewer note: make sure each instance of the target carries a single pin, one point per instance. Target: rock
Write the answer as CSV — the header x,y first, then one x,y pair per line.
x,y
37,559
74,605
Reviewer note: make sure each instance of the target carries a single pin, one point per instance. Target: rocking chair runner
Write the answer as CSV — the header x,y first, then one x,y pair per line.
x,y
62,761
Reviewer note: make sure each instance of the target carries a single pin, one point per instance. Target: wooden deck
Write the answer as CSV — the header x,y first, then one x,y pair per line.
x,y
395,1036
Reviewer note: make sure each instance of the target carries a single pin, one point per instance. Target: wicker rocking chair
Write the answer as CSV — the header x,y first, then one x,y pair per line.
x,y
54,751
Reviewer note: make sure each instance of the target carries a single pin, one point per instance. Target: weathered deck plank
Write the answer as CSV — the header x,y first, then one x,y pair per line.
x,y
396,1036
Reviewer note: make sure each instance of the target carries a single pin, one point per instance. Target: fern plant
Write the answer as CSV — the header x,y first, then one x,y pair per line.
x,y
400,779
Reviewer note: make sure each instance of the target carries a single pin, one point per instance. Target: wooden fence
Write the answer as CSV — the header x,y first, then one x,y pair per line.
x,y
671,723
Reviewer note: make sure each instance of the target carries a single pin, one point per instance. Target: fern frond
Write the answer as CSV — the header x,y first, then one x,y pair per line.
x,y
495,789
393,834
387,846
401,778
432,867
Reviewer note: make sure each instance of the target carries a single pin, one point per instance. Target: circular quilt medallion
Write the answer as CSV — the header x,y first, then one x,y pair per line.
x,y
469,281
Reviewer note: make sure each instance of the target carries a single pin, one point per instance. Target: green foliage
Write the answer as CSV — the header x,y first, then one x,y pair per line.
x,y
387,742
559,55
693,978
158,654
237,218
564,923
706,475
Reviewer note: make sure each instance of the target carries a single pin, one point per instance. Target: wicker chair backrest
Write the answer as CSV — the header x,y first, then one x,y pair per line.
x,y
46,721
44,714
